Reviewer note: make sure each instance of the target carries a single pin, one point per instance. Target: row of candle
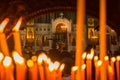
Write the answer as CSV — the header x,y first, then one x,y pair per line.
x,y
15,68
90,62
44,67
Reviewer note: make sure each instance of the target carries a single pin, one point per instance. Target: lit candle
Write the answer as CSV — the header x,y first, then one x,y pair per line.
x,y
73,70
4,48
83,71
83,57
16,35
106,59
110,73
118,67
1,67
40,66
112,65
52,71
20,66
97,69
7,62
32,70
89,66
103,38
59,73
79,36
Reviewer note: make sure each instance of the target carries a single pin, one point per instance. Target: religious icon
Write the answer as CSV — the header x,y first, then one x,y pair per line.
x,y
30,32
90,32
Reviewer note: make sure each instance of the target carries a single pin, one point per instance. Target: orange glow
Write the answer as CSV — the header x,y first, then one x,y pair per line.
x,y
106,58
3,24
7,61
118,58
1,56
89,56
56,64
30,63
17,26
83,66
95,57
34,58
113,59
18,58
62,67
84,55
99,63
110,69
48,60
92,51
51,66
42,57
74,68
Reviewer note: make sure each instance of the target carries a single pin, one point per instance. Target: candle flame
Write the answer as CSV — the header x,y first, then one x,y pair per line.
x,y
83,66
106,58
113,59
62,67
1,56
118,58
92,51
89,56
56,64
51,67
18,58
99,63
110,69
30,63
42,57
48,60
7,61
95,57
84,55
34,58
74,68
3,24
17,26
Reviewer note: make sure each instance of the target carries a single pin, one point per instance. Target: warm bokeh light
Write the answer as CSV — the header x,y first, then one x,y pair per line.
x,y
106,58
7,61
42,57
89,56
84,55
17,26
30,63
3,24
118,58
1,56
99,63
74,68
51,66
34,58
92,51
56,64
113,59
62,67
83,66
18,58
95,57
110,69
48,60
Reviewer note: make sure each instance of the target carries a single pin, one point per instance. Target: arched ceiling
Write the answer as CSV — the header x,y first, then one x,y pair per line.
x,y
30,9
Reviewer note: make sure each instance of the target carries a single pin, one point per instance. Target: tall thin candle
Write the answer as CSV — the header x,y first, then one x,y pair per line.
x,y
103,38
79,36
16,35
118,67
4,48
